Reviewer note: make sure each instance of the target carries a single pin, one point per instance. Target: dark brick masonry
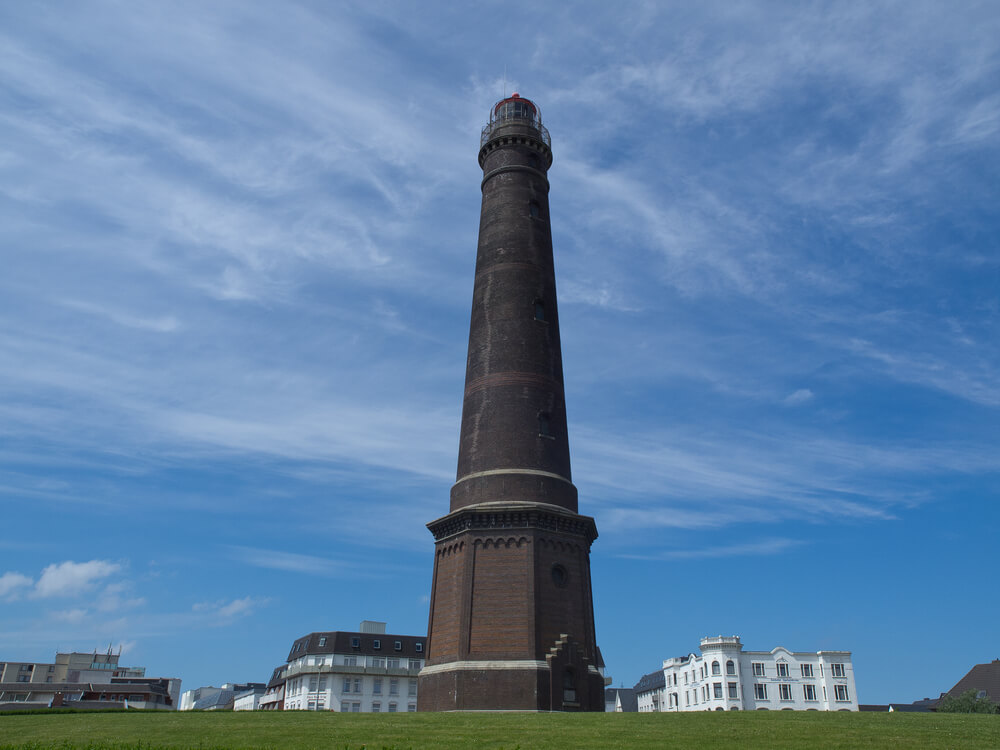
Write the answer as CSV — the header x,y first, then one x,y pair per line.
x,y
512,619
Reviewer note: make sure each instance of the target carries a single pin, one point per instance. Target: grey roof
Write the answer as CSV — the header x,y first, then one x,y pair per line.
x,y
651,681
629,700
277,676
220,700
982,677
341,642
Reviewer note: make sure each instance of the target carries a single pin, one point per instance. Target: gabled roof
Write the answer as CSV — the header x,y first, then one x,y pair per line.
x,y
982,677
625,696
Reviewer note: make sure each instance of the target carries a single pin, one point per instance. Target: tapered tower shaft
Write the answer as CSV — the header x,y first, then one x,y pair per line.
x,y
512,623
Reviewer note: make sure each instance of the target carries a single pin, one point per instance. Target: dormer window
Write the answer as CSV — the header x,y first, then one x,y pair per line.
x,y
376,644
398,645
355,642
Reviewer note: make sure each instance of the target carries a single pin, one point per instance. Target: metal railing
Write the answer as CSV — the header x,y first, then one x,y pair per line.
x,y
541,130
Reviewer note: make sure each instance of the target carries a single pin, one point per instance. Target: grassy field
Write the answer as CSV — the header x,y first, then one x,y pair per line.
x,y
300,729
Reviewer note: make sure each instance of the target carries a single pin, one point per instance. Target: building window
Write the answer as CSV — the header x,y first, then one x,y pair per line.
x,y
322,640
760,691
376,644
416,664
837,670
350,661
398,645
730,667
545,424
376,708
355,642
392,708
782,669
807,670
559,575
357,685
412,688
732,690
378,662
569,686
411,708
418,647
758,669
840,692
312,684
393,686
539,310
322,683
809,692
392,663
716,669
785,691
717,689
355,708
533,209
347,685
377,686
345,707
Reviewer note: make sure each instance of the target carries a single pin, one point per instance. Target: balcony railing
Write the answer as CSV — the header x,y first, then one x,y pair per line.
x,y
528,125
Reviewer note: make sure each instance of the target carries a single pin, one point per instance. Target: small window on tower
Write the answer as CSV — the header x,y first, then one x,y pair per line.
x,y
533,209
545,425
539,310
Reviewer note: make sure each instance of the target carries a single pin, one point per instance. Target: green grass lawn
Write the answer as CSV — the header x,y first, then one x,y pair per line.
x,y
302,729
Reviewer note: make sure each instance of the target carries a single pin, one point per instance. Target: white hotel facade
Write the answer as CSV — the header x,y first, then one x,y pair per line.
x,y
367,671
724,677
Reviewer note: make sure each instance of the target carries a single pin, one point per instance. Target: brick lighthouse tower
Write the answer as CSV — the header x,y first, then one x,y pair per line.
x,y
511,615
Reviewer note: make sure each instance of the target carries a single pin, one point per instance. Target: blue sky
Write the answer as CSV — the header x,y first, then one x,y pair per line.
x,y
238,242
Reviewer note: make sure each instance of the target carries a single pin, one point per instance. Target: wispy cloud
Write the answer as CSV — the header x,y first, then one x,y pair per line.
x,y
11,583
292,562
762,547
226,610
72,578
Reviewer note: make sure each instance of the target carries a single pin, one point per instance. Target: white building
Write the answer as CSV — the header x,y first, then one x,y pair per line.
x,y
724,677
362,672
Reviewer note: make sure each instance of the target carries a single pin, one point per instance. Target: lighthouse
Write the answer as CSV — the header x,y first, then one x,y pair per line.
x,y
511,623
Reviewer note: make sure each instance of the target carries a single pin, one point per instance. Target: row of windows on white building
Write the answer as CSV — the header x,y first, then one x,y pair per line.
x,y
358,660
318,693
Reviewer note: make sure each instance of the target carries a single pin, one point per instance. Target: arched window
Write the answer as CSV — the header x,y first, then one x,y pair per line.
x,y
534,210
716,669
730,667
